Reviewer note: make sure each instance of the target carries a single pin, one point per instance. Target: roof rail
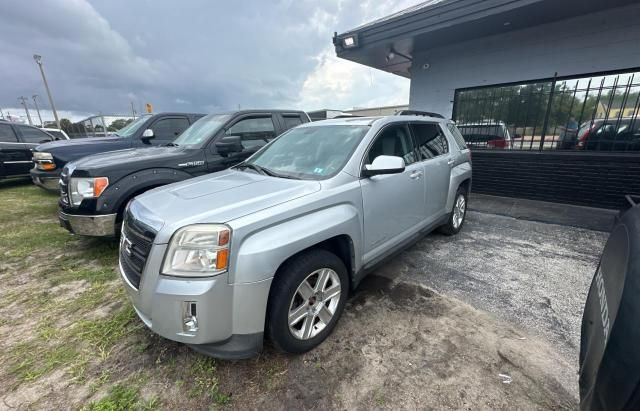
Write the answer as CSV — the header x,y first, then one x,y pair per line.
x,y
418,113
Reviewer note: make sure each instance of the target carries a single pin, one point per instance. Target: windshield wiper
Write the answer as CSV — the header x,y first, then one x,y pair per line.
x,y
263,170
171,145
253,167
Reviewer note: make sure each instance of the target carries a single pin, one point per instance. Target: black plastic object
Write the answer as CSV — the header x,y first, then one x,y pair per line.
x,y
418,113
610,342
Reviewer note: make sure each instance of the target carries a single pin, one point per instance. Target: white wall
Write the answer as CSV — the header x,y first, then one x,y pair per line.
x,y
596,42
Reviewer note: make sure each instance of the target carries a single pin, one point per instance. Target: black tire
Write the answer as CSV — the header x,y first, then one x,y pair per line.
x,y
450,228
284,289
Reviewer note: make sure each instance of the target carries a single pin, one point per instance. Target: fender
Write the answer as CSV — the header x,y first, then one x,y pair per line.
x,y
459,173
262,252
117,195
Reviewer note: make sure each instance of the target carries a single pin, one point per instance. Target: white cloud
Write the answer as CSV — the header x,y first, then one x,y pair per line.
x,y
341,84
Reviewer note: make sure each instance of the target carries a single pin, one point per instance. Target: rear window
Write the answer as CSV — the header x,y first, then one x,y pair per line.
x,y
488,130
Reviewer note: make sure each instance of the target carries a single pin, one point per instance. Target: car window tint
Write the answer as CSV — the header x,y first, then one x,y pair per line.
x,y
394,141
457,135
291,121
430,140
7,135
167,129
254,131
33,135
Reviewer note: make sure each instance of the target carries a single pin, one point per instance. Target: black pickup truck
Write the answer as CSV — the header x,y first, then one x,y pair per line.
x,y
95,190
146,131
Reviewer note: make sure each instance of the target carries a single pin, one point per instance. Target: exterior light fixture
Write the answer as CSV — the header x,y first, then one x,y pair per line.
x,y
350,42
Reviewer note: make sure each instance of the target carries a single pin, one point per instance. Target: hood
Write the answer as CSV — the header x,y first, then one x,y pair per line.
x,y
215,198
138,155
53,145
64,151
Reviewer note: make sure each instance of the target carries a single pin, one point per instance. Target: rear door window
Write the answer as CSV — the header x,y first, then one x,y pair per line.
x,y
7,135
291,121
430,140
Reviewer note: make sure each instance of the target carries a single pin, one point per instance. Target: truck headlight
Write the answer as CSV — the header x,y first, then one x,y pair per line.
x,y
198,250
44,161
86,187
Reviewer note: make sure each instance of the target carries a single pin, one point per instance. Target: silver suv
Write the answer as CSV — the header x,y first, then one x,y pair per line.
x,y
275,244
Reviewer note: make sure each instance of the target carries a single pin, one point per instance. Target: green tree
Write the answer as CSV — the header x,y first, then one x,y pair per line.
x,y
118,124
65,124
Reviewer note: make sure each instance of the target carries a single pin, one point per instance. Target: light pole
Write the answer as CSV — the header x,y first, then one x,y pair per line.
x,y
23,101
38,60
35,102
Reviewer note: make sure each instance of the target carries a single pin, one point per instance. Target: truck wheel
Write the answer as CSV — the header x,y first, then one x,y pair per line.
x,y
456,218
306,300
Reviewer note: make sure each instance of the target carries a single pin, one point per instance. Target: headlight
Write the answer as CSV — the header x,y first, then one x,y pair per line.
x,y
42,156
81,188
199,250
44,161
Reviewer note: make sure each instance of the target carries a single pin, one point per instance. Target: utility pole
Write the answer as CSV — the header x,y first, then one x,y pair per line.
x,y
26,108
37,109
38,60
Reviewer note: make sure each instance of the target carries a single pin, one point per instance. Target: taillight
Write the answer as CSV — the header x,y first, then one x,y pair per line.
x,y
582,138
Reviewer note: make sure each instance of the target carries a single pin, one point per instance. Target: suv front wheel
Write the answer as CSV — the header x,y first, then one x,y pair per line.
x,y
306,300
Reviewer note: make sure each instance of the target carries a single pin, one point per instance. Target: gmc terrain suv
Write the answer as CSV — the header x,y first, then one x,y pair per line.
x,y
274,244
95,189
146,131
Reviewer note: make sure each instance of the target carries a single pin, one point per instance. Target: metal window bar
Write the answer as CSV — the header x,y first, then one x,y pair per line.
x,y
533,112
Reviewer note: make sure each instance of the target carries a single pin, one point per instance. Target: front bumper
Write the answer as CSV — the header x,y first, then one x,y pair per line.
x,y
230,317
89,225
46,179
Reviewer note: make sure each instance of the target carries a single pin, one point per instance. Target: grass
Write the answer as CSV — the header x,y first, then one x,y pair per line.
x,y
205,381
123,397
65,293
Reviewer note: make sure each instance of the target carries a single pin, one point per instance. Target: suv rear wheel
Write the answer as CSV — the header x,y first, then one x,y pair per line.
x,y
458,214
306,300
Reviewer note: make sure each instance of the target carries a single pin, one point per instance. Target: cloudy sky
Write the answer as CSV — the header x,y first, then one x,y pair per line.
x,y
196,55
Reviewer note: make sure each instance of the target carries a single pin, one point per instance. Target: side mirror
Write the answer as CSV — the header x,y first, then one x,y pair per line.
x,y
147,135
384,165
229,144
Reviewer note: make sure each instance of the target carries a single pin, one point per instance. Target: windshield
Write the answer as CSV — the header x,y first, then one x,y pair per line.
x,y
315,152
132,127
483,130
201,130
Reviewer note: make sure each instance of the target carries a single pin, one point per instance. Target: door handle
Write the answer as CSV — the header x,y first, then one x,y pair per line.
x,y
415,175
451,161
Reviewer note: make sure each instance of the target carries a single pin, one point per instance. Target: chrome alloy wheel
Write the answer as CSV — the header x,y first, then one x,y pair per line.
x,y
458,211
314,303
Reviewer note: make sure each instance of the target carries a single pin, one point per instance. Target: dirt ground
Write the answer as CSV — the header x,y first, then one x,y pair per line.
x,y
70,340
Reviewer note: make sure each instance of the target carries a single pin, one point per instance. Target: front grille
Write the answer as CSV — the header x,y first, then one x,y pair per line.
x,y
135,246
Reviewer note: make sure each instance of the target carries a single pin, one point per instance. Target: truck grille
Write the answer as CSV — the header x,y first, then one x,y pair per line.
x,y
135,246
